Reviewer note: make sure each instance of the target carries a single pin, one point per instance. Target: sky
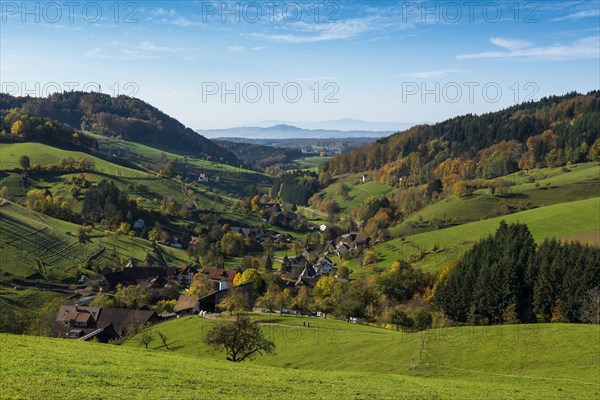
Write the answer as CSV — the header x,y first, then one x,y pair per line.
x,y
226,64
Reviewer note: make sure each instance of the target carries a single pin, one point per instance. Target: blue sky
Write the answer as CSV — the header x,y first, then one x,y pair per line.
x,y
369,60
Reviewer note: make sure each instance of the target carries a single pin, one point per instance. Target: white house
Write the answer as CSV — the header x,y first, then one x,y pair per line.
x,y
324,266
323,228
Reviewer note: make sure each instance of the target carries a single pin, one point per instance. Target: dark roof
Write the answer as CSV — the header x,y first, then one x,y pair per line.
x,y
355,239
219,274
138,275
210,302
122,319
185,303
78,314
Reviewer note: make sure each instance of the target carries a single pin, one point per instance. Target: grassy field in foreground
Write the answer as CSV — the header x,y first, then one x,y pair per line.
x,y
564,220
556,362
528,350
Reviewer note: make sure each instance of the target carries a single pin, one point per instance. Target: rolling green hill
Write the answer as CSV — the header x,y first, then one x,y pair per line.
x,y
564,220
526,362
341,346
122,116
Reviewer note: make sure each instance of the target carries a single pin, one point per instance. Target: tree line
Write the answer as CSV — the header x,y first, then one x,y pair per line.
x,y
507,278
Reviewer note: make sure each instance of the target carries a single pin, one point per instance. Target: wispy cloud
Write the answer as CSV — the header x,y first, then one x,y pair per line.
x,y
579,15
148,46
242,49
341,30
510,44
586,48
143,51
182,22
433,74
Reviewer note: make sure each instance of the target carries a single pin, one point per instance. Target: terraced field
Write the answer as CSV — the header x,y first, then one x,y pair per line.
x,y
34,243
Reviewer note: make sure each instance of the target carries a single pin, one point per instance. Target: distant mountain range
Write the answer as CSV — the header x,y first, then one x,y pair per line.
x,y
284,131
346,124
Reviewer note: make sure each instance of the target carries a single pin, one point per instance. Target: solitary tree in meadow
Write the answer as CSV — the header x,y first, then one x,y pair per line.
x,y
241,339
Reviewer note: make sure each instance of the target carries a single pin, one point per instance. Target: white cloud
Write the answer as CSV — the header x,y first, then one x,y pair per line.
x,y
148,46
433,74
341,30
585,48
237,49
510,44
162,11
182,22
143,51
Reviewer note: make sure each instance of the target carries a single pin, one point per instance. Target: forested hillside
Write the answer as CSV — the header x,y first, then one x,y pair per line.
x,y
551,132
123,117
259,155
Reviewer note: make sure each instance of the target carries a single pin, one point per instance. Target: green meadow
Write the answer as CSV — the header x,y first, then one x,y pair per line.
x,y
332,359
432,250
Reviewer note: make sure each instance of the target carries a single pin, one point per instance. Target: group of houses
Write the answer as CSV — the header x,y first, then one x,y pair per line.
x,y
148,277
259,235
105,324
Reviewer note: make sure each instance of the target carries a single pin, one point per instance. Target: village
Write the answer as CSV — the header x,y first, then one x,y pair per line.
x,y
88,321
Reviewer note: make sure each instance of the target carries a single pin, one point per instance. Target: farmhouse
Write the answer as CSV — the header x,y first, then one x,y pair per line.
x,y
295,266
192,304
185,274
324,266
211,302
352,241
218,275
187,305
104,324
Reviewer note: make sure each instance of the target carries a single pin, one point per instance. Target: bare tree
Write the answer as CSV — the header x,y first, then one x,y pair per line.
x,y
163,338
590,311
241,339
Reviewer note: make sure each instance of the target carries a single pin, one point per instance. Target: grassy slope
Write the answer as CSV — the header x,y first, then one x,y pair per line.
x,y
555,186
156,188
337,345
26,236
26,298
233,180
358,193
311,163
526,362
43,154
560,220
